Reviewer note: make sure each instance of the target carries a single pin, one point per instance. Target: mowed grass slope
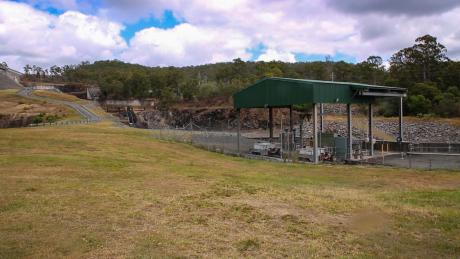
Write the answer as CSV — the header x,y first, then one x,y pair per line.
x,y
98,191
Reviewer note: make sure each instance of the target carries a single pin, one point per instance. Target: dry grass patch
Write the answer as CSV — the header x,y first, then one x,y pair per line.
x,y
71,98
58,96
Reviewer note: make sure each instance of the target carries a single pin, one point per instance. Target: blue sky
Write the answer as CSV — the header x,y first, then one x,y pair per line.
x,y
193,32
166,21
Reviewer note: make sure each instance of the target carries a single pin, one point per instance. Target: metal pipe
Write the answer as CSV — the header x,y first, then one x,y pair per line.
x,y
321,110
370,133
238,131
301,131
291,126
349,140
401,138
315,134
270,122
281,136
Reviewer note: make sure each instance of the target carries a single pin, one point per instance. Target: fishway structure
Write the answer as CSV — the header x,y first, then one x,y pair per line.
x,y
277,92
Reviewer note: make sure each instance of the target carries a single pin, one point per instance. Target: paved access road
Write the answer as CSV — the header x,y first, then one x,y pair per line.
x,y
81,109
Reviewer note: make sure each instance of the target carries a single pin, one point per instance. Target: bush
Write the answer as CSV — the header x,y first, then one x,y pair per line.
x,y
448,106
418,104
39,118
51,118
42,118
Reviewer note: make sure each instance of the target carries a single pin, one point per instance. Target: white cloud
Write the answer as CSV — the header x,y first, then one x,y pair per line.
x,y
285,26
35,37
272,54
215,30
186,44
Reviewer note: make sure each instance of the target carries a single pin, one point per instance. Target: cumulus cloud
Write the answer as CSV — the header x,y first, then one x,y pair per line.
x,y
186,44
355,28
131,10
384,35
31,36
272,54
395,7
220,30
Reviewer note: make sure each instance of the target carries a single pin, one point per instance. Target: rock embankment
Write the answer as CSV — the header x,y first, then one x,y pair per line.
x,y
435,131
415,130
15,120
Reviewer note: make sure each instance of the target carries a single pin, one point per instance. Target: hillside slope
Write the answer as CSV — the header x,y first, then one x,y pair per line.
x,y
19,111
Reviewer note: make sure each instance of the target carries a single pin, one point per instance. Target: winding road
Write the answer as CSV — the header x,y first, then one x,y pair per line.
x,y
81,109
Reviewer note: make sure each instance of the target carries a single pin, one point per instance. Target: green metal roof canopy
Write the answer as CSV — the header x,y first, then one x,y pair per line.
x,y
283,92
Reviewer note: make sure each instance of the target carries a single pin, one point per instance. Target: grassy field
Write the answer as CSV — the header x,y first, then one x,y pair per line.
x,y
13,104
99,191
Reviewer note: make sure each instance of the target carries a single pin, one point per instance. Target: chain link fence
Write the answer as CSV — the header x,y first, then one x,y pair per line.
x,y
427,161
225,142
419,156
60,123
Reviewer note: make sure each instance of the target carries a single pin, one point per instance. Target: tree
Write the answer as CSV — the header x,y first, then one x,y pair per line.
x,y
430,54
421,61
371,70
375,63
138,85
429,90
330,67
27,69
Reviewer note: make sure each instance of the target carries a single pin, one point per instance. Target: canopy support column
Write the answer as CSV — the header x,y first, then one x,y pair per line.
x,y
370,133
238,114
350,133
401,119
270,122
321,110
301,130
291,126
315,133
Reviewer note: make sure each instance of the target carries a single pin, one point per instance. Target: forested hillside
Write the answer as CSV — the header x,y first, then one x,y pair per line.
x,y
432,78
